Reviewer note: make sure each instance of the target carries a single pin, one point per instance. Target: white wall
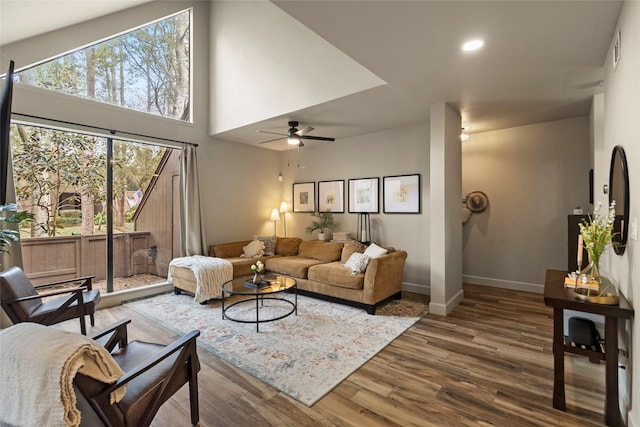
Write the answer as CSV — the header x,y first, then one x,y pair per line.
x,y
533,176
394,152
264,64
621,114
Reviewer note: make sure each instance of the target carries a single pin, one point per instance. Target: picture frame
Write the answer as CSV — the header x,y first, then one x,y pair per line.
x,y
331,196
304,197
402,194
364,195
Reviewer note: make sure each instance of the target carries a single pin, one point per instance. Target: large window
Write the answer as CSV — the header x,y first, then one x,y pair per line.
x,y
122,225
147,69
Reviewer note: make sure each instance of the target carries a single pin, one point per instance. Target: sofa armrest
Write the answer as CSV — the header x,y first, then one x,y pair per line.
x,y
383,276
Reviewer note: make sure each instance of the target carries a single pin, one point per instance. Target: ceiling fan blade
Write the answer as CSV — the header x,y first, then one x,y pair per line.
x,y
271,140
272,133
317,138
304,131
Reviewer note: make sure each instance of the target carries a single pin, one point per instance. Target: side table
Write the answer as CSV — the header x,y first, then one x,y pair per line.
x,y
561,298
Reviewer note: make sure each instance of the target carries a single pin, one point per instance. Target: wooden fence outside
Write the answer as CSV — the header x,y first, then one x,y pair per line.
x,y
48,259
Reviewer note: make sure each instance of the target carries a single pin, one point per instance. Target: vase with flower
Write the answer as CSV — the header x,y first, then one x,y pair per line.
x,y
257,268
596,233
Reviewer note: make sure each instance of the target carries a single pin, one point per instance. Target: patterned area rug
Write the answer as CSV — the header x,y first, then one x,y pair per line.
x,y
304,356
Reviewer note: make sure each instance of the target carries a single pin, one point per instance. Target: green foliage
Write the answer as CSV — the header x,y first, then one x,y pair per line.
x,y
70,217
8,236
324,222
130,214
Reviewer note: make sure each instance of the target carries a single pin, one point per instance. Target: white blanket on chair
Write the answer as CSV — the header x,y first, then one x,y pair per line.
x,y
38,365
211,273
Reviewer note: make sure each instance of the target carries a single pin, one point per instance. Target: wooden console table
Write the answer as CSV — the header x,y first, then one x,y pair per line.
x,y
560,298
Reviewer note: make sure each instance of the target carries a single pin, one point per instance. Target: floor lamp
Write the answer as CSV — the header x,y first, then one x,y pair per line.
x,y
275,216
283,210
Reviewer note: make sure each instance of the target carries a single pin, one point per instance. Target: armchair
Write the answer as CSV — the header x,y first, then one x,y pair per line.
x,y
153,373
22,302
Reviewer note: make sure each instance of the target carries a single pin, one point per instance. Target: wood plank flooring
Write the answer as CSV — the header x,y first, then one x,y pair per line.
x,y
488,363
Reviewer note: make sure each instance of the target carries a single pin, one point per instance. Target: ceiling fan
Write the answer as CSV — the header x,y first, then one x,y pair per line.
x,y
295,136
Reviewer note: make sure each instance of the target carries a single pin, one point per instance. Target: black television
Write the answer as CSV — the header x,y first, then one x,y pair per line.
x,y
5,122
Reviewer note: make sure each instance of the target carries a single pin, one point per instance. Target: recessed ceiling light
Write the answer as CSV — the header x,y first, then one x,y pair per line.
x,y
472,45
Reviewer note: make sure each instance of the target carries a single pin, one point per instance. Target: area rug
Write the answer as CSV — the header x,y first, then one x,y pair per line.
x,y
303,356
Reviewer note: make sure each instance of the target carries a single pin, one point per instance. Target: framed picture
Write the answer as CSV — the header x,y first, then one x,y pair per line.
x,y
364,195
331,196
304,197
401,194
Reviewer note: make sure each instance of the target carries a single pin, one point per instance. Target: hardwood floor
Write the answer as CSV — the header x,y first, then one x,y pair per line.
x,y
488,363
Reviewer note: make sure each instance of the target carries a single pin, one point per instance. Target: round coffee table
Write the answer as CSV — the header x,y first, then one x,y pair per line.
x,y
277,285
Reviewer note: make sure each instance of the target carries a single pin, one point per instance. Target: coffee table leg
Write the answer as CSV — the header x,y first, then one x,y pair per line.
x,y
222,305
257,314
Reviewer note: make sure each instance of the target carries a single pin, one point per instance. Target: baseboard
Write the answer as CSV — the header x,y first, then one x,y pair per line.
x,y
504,284
117,298
631,422
444,309
416,288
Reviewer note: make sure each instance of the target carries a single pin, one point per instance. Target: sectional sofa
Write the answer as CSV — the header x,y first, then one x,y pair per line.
x,y
318,267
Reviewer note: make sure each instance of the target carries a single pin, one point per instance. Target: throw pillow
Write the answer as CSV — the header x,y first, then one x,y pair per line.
x,y
254,249
269,244
375,251
357,262
351,246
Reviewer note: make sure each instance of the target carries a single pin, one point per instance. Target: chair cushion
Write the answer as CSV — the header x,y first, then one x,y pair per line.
x,y
15,284
91,299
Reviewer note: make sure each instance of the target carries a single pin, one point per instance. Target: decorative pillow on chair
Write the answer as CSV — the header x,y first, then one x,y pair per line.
x,y
254,249
357,262
375,251
269,244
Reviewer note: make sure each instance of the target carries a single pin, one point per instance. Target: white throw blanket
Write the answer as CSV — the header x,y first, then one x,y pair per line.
x,y
37,368
211,273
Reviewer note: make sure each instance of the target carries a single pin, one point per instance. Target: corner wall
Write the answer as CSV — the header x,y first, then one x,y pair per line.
x,y
533,176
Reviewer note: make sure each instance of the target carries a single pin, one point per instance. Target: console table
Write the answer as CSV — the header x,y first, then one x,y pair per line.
x,y
560,298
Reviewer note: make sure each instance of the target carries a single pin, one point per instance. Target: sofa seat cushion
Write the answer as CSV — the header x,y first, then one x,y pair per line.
x,y
336,274
294,266
320,250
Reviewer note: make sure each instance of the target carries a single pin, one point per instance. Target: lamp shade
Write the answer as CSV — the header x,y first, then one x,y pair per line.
x,y
275,216
284,207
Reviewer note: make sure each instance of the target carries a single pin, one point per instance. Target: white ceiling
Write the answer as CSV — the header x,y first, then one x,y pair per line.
x,y
542,60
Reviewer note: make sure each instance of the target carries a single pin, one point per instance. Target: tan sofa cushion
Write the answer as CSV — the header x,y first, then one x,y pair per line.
x,y
291,265
287,245
322,251
336,274
351,246
228,250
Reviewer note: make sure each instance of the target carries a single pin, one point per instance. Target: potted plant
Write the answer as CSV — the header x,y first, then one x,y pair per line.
x,y
7,235
324,222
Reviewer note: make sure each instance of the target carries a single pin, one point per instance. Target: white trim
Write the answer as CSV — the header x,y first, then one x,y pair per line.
x,y
504,284
444,309
116,298
416,288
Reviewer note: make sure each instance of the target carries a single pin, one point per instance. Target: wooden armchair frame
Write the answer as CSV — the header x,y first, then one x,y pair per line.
x,y
20,312
115,337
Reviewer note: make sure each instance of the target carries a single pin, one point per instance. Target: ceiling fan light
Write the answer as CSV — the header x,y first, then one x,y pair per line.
x,y
293,140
